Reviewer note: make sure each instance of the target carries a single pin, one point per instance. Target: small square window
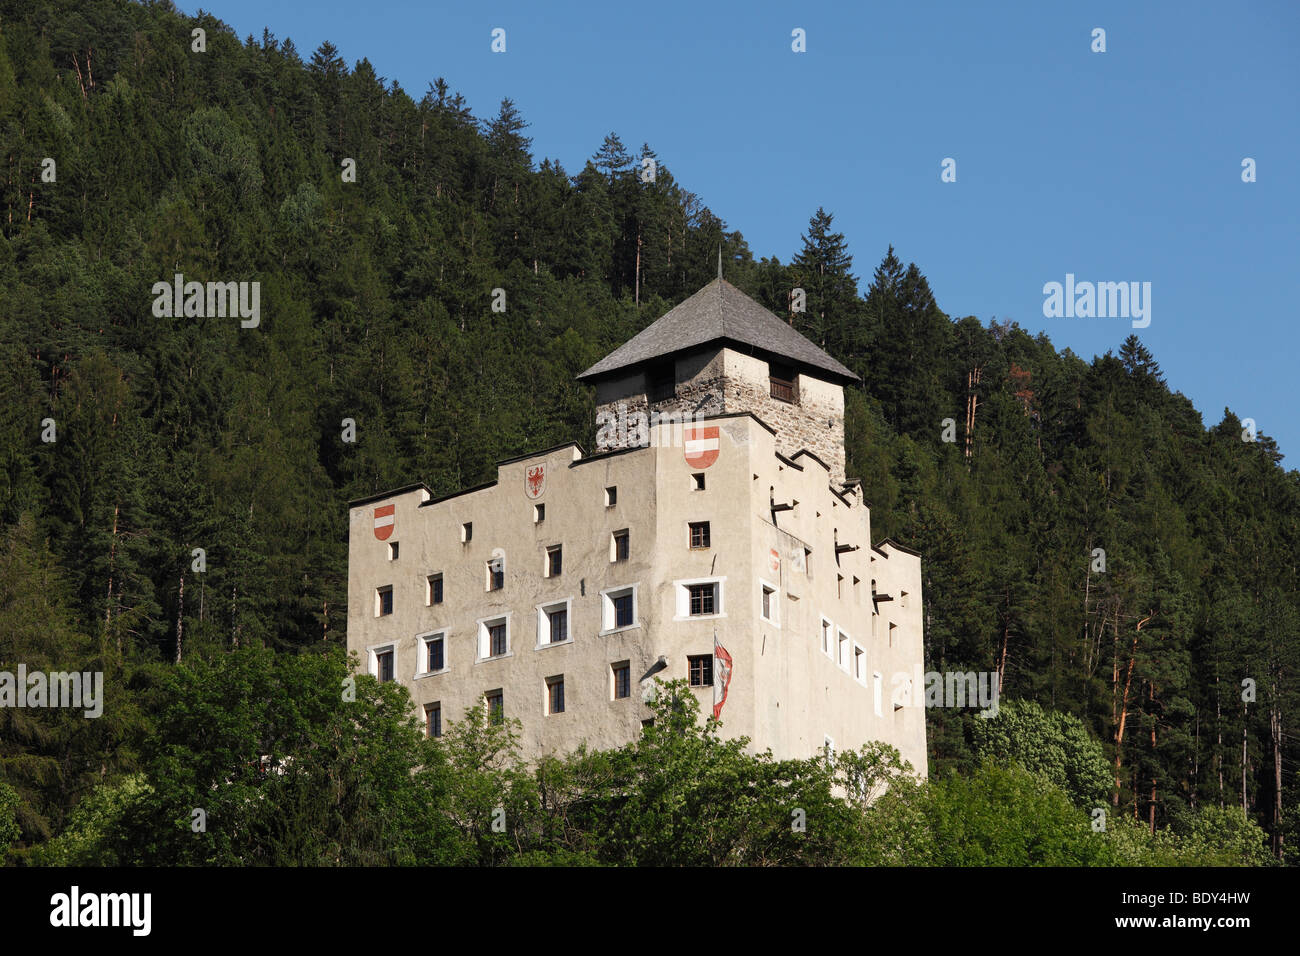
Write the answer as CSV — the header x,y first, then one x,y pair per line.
x,y
433,589
555,695
703,598
433,719
554,561
495,702
622,674
383,601
697,481
699,534
496,574
392,551
700,668
539,514
467,531
384,666
611,496
619,546
618,608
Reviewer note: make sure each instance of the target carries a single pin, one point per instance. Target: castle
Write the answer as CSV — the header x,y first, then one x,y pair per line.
x,y
728,550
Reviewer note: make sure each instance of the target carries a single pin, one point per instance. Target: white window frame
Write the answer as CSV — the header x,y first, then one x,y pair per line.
x,y
422,642
878,681
827,637
608,489
683,598
544,623
393,550
484,639
860,664
607,614
539,513
842,644
372,654
774,604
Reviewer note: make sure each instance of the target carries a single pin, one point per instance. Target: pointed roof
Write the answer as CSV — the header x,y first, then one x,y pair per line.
x,y
719,313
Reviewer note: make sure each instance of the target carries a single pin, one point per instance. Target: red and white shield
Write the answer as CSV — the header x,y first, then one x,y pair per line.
x,y
701,446
384,521
535,480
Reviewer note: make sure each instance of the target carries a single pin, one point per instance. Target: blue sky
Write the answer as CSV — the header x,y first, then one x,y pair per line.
x,y
1115,166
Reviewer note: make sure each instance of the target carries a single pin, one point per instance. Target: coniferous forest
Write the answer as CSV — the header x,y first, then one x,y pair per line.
x,y
1160,685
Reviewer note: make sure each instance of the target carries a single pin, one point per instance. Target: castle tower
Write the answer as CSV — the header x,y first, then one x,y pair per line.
x,y
721,352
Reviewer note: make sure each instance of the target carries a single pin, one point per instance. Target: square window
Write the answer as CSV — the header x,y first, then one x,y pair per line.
x,y
433,719
467,532
700,668
495,702
392,551
699,534
618,608
622,674
697,481
433,589
555,695
383,601
703,599
554,561
493,637
619,547
539,514
496,574
611,496
384,666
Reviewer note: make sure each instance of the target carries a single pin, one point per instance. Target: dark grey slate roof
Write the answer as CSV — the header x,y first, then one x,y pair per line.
x,y
719,311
